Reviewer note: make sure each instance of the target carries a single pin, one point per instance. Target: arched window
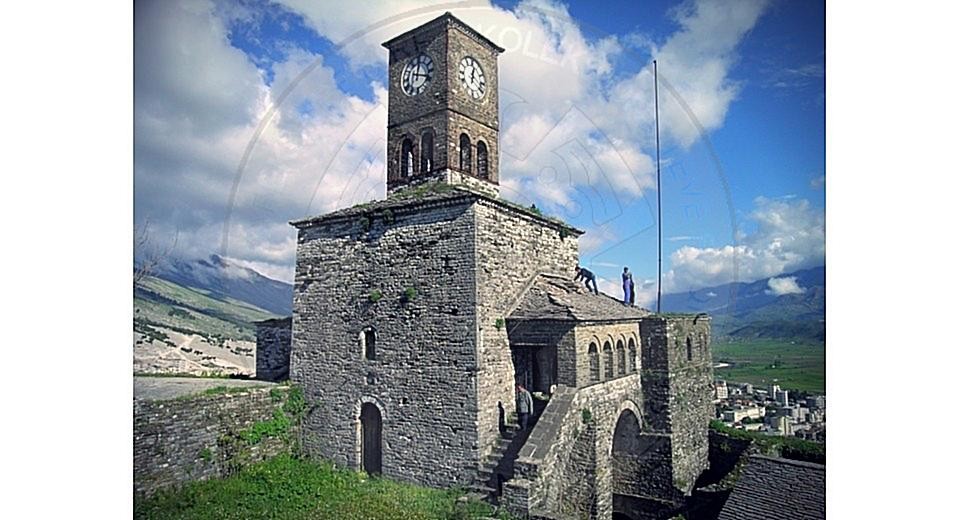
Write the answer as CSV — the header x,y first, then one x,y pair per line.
x,y
621,358
689,349
464,152
607,361
426,151
368,343
632,354
594,356
482,171
406,158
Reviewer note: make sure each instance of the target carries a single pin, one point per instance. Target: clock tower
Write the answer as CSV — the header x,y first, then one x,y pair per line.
x,y
443,118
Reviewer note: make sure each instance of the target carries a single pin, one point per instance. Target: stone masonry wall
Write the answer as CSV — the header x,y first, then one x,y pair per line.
x,y
599,334
273,350
424,377
512,249
677,383
182,440
548,466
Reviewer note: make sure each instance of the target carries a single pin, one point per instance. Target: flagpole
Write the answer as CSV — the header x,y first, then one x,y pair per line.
x,y
656,104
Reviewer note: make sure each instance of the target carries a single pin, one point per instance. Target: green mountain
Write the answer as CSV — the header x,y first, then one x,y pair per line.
x,y
190,310
755,310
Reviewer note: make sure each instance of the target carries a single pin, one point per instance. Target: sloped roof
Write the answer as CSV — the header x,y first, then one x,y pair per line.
x,y
554,297
774,488
430,194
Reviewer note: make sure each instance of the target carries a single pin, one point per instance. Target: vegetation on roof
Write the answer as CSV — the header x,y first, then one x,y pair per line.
x,y
787,447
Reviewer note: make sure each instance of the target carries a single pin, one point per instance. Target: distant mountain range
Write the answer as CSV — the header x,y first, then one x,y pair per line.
x,y
221,279
198,316
791,306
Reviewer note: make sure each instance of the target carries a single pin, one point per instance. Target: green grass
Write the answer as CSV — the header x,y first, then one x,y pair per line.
x,y
762,362
288,488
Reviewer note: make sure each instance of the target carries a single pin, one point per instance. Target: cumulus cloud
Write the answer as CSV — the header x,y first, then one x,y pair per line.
x,y
225,156
782,286
788,235
223,161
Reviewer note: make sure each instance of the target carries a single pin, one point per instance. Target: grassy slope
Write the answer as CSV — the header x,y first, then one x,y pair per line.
x,y
793,366
289,488
185,309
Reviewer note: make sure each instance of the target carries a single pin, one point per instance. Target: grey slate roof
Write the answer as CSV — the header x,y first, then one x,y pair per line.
x,y
554,297
774,488
428,194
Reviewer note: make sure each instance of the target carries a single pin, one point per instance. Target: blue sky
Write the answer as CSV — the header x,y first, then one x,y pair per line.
x,y
250,114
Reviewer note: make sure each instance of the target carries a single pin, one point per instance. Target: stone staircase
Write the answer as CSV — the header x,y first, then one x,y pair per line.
x,y
498,466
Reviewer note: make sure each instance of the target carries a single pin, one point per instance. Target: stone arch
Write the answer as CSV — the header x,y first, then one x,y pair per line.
x,y
632,353
376,417
483,161
593,354
626,449
621,358
607,359
465,152
368,343
426,150
405,160
371,439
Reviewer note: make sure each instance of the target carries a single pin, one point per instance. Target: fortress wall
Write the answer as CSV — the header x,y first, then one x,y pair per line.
x,y
677,387
273,350
511,250
182,440
424,376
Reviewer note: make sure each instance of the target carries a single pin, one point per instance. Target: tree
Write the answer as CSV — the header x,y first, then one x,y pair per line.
x,y
146,257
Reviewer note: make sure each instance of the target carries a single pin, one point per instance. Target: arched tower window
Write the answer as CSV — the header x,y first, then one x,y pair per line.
x,y
482,163
426,151
621,358
594,356
368,343
607,361
689,349
632,354
464,152
406,158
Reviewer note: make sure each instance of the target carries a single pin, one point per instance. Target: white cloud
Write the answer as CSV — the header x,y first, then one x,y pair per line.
x,y
782,286
198,105
566,139
789,235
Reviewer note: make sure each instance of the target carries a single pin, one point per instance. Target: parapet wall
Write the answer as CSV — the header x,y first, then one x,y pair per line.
x,y
196,438
273,349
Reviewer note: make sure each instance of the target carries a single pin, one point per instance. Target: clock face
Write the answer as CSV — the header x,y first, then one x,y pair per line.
x,y
416,75
471,75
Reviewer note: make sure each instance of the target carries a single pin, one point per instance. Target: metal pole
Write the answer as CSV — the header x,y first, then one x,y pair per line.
x,y
656,104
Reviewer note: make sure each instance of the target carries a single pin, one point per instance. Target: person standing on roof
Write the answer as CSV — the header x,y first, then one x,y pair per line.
x,y
627,277
588,278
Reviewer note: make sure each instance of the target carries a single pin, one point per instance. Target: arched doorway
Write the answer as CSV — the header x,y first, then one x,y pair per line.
x,y
371,455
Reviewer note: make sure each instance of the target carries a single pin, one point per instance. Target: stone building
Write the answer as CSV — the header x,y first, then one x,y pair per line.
x,y
415,316
273,349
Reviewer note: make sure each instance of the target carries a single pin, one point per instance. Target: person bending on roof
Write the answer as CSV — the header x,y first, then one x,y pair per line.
x,y
587,277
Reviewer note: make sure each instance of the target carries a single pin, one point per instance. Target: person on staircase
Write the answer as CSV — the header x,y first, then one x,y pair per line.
x,y
524,406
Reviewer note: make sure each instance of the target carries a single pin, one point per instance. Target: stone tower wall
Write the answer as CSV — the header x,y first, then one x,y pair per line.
x,y
444,105
677,390
424,376
512,249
